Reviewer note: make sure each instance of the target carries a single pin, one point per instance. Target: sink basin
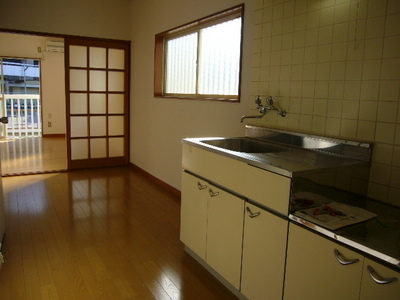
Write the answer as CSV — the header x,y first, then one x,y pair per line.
x,y
244,145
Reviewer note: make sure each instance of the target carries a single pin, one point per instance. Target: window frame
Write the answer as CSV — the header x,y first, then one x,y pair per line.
x,y
159,63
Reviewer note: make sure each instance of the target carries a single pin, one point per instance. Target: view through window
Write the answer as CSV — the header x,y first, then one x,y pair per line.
x,y
21,88
201,59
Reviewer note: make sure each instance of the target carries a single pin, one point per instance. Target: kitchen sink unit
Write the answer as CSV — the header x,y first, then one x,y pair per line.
x,y
257,210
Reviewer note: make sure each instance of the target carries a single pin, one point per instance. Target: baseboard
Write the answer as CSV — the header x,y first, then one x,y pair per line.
x,y
164,185
58,135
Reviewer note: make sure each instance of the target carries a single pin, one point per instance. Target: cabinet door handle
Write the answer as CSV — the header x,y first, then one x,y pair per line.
x,y
200,186
251,214
212,194
377,278
342,261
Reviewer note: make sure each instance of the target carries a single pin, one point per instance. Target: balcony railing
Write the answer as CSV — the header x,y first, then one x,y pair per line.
x,y
24,117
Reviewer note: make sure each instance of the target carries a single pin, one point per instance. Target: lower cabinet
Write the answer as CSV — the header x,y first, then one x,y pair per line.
x,y
379,282
264,252
194,214
212,226
313,270
318,268
225,234
256,252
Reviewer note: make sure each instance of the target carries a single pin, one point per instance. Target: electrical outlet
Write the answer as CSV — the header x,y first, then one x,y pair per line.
x,y
48,124
39,49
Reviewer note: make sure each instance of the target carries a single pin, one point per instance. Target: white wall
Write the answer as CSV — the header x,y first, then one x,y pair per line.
x,y
158,125
53,93
92,18
52,76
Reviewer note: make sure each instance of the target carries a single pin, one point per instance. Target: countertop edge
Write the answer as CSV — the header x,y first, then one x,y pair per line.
x,y
393,262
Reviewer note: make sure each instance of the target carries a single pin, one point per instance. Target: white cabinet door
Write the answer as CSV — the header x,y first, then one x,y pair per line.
x,y
224,234
194,213
264,252
268,189
371,289
227,172
314,272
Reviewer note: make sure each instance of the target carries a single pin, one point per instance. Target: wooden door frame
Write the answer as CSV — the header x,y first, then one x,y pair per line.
x,y
98,162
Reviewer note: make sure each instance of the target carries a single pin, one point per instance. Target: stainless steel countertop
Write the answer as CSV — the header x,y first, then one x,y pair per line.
x,y
286,163
305,154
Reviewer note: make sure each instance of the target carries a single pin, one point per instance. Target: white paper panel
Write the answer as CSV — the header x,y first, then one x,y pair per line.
x,y
78,80
115,103
97,57
116,147
78,103
115,125
79,149
98,126
97,81
78,56
97,103
79,127
98,148
116,81
116,59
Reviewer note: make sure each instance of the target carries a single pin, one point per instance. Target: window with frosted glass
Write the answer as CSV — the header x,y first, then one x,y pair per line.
x,y
201,59
180,65
219,59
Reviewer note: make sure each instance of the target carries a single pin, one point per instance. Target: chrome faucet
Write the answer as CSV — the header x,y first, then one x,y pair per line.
x,y
271,106
263,109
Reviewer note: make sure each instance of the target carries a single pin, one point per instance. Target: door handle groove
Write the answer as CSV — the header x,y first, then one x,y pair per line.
x,y
200,186
213,194
375,277
342,261
251,214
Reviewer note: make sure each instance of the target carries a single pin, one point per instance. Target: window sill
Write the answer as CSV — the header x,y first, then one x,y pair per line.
x,y
221,99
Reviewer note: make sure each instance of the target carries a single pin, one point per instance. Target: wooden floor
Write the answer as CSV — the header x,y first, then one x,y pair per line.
x,y
97,234
33,155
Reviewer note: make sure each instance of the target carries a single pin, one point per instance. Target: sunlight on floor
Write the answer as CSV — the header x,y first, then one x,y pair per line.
x,y
33,155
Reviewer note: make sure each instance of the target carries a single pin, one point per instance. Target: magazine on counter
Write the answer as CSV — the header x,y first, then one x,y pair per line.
x,y
334,215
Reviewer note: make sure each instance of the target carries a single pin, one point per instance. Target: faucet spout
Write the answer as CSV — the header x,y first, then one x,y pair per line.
x,y
264,109
252,117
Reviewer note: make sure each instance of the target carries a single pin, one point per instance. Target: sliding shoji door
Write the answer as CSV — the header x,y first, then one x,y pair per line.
x,y
97,88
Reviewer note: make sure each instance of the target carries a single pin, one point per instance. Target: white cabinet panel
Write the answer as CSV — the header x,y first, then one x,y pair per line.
x,y
224,234
212,226
264,253
313,271
194,214
268,189
223,170
371,290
